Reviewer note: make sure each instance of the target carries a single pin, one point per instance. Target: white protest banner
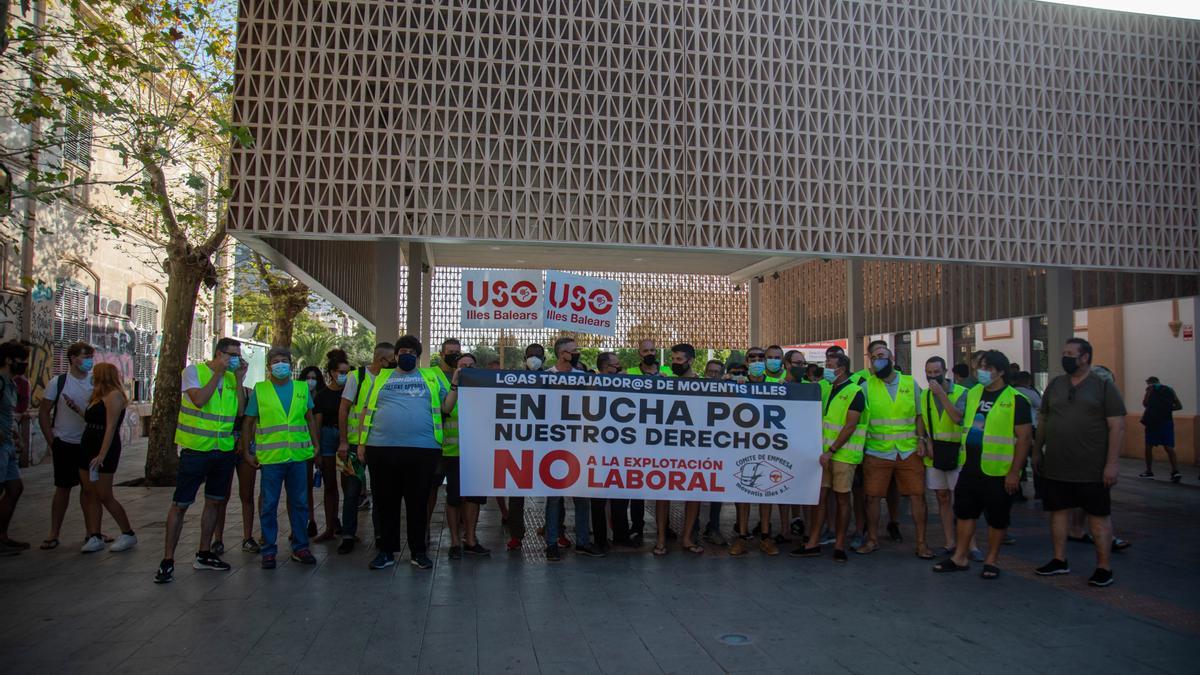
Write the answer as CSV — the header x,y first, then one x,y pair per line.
x,y
501,299
583,304
551,433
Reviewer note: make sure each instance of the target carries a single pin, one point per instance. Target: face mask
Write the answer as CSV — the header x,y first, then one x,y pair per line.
x,y
340,379
452,360
680,369
406,361
984,377
883,368
533,363
87,365
235,362
757,368
798,373
940,379
829,374
574,360
774,365
1070,364
649,360
312,384
18,368
281,370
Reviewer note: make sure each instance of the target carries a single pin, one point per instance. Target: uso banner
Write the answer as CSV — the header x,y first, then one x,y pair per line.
x,y
550,433
501,299
583,304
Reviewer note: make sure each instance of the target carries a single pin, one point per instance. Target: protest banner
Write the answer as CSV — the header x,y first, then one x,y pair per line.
x,y
501,299
577,434
583,304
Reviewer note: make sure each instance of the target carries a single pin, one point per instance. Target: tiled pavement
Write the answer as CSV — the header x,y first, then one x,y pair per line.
x,y
627,613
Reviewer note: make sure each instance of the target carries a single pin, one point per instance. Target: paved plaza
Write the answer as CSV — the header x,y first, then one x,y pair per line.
x,y
627,613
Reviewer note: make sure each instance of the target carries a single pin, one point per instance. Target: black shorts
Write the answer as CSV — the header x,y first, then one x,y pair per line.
x,y
213,468
109,465
1093,498
65,457
976,496
450,466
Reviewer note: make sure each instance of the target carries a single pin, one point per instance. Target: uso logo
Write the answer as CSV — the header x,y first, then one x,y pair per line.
x,y
499,294
577,297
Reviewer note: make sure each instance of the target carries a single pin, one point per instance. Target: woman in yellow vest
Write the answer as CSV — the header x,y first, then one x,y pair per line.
x,y
997,424
279,419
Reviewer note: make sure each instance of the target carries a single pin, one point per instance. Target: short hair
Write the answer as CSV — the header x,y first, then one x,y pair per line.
x,y
466,355
335,358
996,360
961,370
685,349
385,345
841,360
409,342
833,349
875,343
1152,380
787,356
451,341
222,344
936,359
279,351
560,342
811,367
13,350
775,347
313,370
714,362
77,348
1023,378
604,357
532,346
755,349
1085,347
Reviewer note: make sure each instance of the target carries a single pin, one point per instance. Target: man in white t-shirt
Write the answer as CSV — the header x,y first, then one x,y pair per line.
x,y
353,489
60,417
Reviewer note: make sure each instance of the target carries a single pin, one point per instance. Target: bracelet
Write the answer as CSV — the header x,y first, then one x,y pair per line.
x,y
454,387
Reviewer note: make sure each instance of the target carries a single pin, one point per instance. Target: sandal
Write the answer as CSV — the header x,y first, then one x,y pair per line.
x,y
869,547
924,555
694,548
660,551
990,572
948,565
48,544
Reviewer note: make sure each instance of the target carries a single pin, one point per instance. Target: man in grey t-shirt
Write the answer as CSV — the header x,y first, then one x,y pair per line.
x,y
1081,428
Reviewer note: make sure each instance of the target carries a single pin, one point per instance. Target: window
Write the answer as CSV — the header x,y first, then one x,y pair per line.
x,y
145,348
1039,357
198,348
903,344
70,319
77,138
963,343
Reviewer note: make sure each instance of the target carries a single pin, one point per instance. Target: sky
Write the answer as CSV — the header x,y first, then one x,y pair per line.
x,y
1185,8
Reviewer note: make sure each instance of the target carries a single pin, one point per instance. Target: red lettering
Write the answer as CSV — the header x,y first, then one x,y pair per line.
x,y
635,480
697,482
675,480
572,469
655,480
524,294
578,301
712,483
591,479
504,464
614,479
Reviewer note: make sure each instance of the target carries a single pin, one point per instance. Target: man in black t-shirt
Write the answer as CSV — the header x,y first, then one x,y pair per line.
x,y
1160,401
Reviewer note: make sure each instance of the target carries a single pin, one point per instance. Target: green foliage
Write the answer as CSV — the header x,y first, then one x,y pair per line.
x,y
309,347
360,346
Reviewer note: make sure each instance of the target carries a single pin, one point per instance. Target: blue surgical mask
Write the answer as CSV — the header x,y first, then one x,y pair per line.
x,y
406,361
235,362
87,365
281,370
830,374
757,368
774,365
341,378
312,384
984,376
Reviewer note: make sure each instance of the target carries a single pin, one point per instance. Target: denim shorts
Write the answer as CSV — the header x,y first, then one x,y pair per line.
x,y
213,468
10,468
330,438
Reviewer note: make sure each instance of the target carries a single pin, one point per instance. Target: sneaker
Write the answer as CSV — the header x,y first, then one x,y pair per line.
x,y
857,540
1009,540
975,555
590,550
346,546
839,555
563,542
304,557
1146,474
250,546
552,554
798,527
382,561
207,560
218,547
421,562
635,538
456,553
780,540
805,552
268,562
6,550
1120,544
827,537
1053,567
1101,577
1176,476
738,547
364,504
767,545
893,530
165,573
123,543
477,549
92,544
513,544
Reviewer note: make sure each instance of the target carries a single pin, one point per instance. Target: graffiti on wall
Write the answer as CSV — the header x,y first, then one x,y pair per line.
x,y
12,309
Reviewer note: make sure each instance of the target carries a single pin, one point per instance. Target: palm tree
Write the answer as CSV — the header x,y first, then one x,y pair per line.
x,y
309,348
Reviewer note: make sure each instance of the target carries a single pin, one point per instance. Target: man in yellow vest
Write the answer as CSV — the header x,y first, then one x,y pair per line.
x,y
204,434
649,365
279,418
997,424
354,399
756,372
941,466
444,370
844,431
896,445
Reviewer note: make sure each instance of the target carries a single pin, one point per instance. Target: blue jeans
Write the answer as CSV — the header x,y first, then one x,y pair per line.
x,y
583,519
329,437
274,477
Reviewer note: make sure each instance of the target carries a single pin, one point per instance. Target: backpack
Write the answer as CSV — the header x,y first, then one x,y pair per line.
x,y
58,391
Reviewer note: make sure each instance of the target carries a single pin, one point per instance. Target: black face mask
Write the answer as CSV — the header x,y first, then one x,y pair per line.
x,y
574,360
452,360
18,368
650,360
406,362
940,379
798,373
885,372
1070,364
680,369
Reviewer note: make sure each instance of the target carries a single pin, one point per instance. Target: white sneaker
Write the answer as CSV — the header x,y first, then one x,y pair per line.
x,y
123,543
92,545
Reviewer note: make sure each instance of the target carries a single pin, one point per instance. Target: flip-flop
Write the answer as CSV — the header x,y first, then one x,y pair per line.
x,y
694,548
48,544
866,549
949,565
927,556
990,572
660,551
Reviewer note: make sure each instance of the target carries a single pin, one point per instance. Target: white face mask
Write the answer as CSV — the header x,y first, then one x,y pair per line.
x,y
533,363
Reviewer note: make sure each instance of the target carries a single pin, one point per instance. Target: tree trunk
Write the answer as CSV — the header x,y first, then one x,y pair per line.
x,y
286,305
183,285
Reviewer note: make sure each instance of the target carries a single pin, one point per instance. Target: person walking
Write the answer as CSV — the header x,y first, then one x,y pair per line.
x,y
60,417
326,406
1081,428
14,360
1160,402
279,418
100,448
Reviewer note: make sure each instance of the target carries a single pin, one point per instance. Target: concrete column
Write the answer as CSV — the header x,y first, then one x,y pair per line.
x,y
1060,315
856,324
386,311
415,259
755,297
427,315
